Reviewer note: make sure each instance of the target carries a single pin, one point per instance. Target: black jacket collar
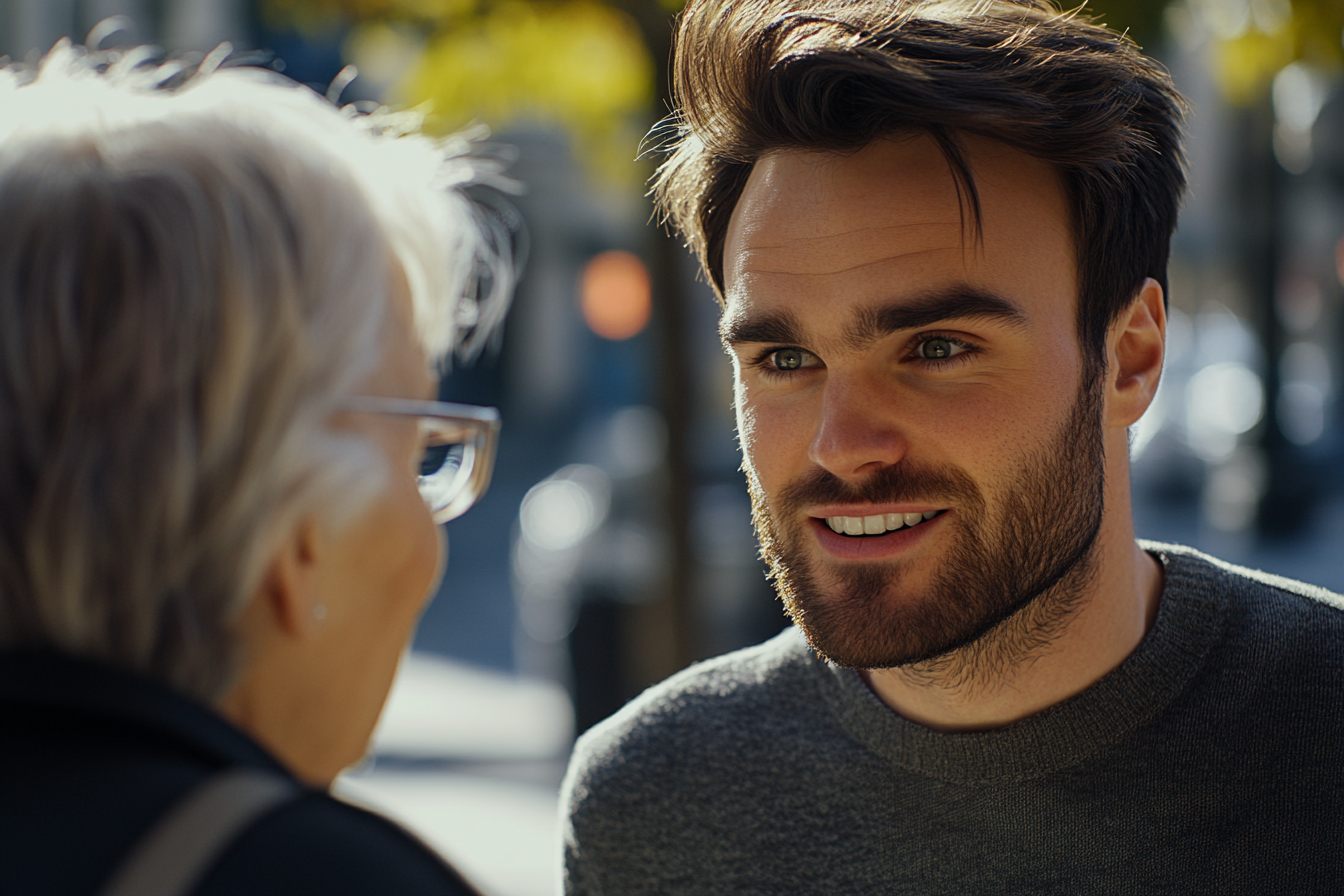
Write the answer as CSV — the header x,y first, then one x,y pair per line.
x,y
70,686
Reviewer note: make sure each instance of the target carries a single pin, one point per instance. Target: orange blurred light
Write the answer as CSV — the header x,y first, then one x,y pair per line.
x,y
616,295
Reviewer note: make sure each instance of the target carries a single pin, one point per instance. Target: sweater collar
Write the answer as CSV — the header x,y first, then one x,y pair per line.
x,y
1189,622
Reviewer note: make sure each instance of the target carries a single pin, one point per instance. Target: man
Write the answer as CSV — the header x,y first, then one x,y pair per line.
x,y
940,235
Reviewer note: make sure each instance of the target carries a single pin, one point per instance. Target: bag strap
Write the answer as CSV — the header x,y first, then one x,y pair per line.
x,y
172,858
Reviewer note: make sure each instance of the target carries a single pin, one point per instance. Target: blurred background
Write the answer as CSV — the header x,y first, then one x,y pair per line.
x,y
615,546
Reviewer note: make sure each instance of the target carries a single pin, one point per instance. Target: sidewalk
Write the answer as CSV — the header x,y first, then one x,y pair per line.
x,y
470,760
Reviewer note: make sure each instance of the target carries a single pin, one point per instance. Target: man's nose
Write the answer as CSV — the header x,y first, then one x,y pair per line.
x,y
858,432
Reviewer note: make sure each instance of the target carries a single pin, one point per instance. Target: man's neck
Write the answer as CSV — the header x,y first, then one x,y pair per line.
x,y
1109,619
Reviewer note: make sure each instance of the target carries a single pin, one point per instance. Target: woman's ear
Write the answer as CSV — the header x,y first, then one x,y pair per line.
x,y
1136,347
288,596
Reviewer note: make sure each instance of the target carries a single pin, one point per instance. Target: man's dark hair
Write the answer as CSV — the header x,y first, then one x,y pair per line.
x,y
755,76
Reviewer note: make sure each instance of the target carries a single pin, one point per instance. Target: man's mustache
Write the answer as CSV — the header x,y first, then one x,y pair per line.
x,y
902,482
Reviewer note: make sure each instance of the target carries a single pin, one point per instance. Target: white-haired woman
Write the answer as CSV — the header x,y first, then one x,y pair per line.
x,y
221,301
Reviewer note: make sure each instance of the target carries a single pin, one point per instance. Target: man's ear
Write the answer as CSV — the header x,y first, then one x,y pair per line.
x,y
289,595
1136,345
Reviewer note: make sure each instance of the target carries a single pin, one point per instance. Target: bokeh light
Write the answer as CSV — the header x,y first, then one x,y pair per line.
x,y
616,295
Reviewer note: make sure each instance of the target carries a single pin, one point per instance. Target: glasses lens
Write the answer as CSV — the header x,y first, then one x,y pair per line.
x,y
442,460
445,468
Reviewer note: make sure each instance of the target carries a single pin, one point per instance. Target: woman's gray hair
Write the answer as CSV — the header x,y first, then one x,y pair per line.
x,y
194,273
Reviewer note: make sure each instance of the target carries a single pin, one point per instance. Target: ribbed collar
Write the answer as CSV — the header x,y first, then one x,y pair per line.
x,y
77,687
1189,622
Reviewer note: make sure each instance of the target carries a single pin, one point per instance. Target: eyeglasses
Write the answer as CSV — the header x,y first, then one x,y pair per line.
x,y
460,441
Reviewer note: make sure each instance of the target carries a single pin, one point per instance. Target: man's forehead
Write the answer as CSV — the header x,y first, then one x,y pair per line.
x,y
887,221
807,207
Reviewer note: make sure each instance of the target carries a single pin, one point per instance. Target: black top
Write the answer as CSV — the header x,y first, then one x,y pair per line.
x,y
93,756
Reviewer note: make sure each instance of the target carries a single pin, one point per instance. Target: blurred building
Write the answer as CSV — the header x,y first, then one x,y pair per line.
x,y
1241,453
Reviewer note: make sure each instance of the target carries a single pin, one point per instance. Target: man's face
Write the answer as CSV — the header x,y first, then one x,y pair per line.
x,y
923,449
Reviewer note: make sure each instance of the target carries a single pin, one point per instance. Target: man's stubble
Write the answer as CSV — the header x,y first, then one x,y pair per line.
x,y
1005,587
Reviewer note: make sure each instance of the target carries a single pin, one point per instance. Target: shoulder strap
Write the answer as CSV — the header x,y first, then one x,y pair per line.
x,y
171,859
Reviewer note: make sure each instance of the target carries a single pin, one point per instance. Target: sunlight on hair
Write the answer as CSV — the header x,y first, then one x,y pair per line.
x,y
412,181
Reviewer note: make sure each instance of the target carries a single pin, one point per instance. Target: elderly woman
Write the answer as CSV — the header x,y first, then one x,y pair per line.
x,y
221,302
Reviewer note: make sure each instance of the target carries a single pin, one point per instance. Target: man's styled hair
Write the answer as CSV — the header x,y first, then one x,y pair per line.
x,y
756,76
194,275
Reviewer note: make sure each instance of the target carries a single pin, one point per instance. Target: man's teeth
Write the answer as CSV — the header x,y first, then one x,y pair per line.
x,y
877,523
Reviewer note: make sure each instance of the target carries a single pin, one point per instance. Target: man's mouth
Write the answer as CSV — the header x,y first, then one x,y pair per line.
x,y
878,523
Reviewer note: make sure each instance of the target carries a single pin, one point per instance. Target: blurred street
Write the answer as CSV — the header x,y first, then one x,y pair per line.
x,y
470,760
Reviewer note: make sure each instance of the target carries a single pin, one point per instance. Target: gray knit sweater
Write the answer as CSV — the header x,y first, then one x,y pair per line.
x,y
1209,761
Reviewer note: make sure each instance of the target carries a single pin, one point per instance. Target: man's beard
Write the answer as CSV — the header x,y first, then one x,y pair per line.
x,y
1005,587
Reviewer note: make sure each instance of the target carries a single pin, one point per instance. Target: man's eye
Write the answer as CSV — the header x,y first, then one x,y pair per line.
x,y
789,359
938,349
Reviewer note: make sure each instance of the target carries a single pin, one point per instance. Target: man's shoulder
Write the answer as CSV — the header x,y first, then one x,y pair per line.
x,y
1244,583
713,723
714,775
1299,618
737,695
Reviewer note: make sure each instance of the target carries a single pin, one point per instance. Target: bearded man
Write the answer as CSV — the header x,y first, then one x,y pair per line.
x,y
940,232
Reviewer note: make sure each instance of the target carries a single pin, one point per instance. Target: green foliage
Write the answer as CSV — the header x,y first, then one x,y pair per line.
x,y
306,12
1253,40
584,65
1142,20
579,64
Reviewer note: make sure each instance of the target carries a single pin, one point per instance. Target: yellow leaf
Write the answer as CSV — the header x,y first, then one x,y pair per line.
x,y
577,63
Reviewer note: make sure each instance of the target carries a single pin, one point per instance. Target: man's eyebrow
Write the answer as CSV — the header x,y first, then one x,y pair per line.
x,y
957,303
871,324
778,327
